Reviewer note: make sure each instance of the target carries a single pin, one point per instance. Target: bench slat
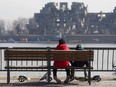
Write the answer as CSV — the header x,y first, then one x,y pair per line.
x,y
25,55
26,67
44,67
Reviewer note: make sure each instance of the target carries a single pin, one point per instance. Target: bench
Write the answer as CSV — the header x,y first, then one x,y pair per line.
x,y
46,55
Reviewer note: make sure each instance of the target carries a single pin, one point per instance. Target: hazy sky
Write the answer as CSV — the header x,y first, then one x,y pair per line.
x,y
13,9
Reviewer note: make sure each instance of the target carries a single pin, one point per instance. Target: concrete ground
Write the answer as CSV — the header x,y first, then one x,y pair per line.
x,y
35,82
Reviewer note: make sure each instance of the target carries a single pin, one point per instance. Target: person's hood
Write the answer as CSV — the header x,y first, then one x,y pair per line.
x,y
62,47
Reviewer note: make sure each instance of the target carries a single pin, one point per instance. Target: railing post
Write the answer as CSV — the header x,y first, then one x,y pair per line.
x,y
89,71
8,70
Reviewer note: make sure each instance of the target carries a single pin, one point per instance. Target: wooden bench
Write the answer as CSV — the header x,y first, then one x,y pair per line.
x,y
49,56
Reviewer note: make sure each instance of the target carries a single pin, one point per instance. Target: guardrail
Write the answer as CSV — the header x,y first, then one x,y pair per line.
x,y
104,58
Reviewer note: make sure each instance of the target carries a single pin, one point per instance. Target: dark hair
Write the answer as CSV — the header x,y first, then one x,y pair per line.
x,y
61,41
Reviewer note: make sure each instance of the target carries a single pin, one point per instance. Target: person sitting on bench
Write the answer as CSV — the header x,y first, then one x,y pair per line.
x,y
78,63
61,64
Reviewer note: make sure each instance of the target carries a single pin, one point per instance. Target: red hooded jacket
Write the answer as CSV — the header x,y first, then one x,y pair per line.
x,y
61,64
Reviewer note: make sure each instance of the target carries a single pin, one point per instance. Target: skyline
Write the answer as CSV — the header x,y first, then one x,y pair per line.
x,y
13,9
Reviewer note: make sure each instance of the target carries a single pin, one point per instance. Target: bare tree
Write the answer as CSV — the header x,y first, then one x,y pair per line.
x,y
2,27
8,27
19,26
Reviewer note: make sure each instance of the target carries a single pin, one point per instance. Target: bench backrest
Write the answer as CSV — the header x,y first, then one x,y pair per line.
x,y
36,55
27,55
73,55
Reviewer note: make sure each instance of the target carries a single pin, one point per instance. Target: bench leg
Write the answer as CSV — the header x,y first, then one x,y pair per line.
x,y
85,73
49,74
89,77
8,76
49,64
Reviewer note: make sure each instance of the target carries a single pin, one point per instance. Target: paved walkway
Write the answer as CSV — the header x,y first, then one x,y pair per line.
x,y
34,82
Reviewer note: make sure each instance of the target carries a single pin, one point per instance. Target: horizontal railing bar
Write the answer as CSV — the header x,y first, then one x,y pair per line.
x,y
100,48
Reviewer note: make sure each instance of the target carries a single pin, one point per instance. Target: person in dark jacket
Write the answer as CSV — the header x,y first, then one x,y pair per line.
x,y
77,63
61,64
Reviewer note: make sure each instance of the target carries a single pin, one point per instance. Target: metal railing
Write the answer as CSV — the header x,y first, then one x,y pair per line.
x,y
104,58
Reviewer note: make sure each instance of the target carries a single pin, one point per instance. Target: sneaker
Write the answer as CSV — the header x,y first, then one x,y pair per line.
x,y
71,79
67,80
57,80
76,78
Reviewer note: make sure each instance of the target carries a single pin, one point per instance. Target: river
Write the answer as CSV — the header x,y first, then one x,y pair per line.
x,y
54,45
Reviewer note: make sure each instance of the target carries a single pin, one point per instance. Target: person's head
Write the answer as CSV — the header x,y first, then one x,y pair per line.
x,y
61,41
79,47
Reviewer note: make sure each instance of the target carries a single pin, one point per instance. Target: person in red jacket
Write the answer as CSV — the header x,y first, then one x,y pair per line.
x,y
61,64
